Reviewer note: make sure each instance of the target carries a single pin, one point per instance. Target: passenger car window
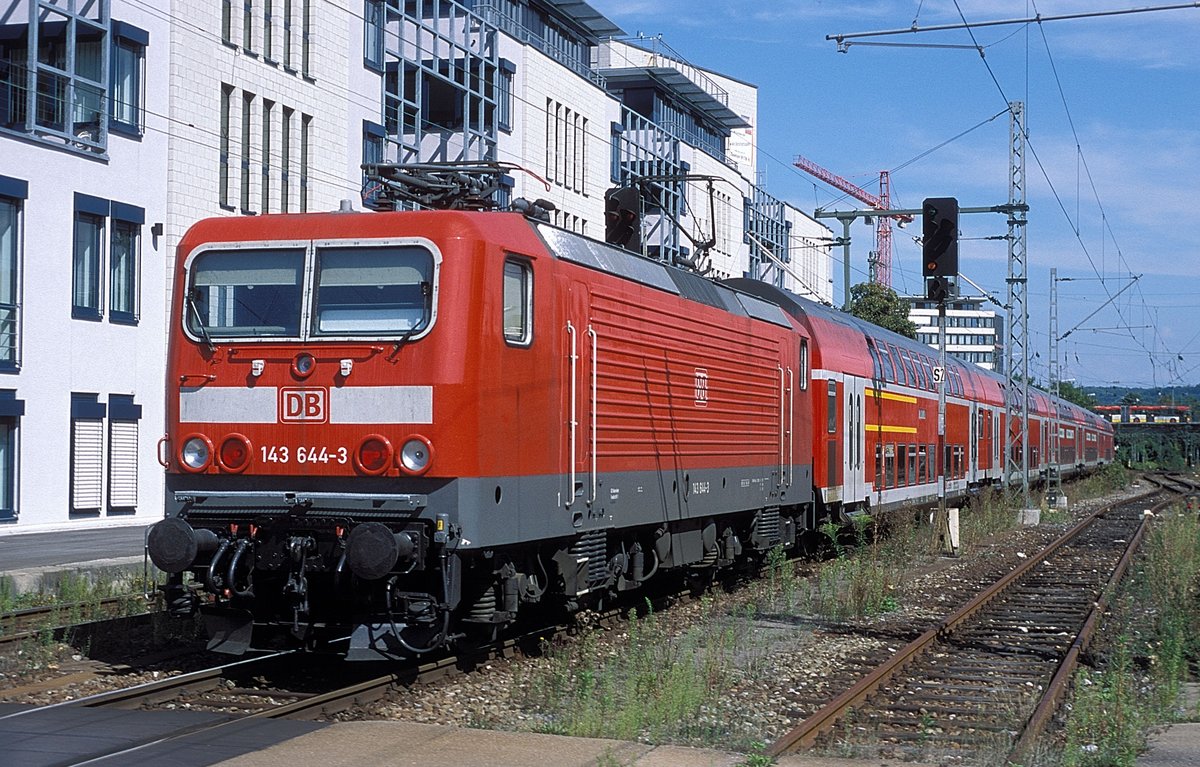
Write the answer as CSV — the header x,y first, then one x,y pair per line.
x,y
518,302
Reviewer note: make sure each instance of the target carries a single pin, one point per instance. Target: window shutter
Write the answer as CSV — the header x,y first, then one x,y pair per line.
x,y
122,464
87,460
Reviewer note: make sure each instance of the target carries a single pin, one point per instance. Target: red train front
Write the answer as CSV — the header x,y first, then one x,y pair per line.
x,y
402,427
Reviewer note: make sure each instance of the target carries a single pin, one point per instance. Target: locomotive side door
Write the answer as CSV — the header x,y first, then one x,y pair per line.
x,y
853,429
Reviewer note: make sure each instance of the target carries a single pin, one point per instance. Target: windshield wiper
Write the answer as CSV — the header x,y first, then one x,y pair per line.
x,y
426,310
191,302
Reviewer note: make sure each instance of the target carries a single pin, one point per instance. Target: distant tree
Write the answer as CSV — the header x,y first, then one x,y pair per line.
x,y
1132,398
1072,393
882,306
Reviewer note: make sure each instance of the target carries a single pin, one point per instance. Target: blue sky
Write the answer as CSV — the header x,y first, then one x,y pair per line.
x,y
1113,159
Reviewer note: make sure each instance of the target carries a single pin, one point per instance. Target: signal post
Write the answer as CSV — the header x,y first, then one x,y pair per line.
x,y
939,267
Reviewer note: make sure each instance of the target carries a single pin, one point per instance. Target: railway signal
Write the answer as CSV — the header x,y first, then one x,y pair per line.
x,y
939,245
622,217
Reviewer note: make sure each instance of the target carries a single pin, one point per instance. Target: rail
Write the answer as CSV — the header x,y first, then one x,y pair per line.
x,y
822,723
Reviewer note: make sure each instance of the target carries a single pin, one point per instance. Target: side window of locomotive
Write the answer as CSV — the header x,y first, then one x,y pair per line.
x,y
373,290
803,364
518,302
245,293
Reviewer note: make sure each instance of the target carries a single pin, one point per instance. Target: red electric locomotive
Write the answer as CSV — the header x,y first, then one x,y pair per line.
x,y
404,427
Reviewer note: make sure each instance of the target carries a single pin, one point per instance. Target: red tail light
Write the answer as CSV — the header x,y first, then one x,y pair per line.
x,y
235,453
374,455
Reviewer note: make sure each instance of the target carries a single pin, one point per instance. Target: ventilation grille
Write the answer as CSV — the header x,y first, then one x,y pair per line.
x,y
594,546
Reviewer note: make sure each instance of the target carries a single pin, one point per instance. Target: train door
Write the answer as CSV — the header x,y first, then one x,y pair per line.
x,y
853,465
972,442
579,424
997,445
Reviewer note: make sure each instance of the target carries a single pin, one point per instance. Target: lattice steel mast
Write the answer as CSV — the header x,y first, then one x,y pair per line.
x,y
1016,351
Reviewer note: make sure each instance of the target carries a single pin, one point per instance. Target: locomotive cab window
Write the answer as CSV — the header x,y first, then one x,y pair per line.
x,y
373,290
518,302
245,293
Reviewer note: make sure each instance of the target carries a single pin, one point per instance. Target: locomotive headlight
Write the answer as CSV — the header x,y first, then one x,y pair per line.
x,y
303,364
196,453
415,455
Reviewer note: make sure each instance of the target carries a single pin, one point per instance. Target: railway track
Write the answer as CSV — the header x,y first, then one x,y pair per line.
x,y
981,686
289,685
32,622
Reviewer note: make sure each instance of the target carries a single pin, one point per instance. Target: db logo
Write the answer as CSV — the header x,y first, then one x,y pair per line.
x,y
307,405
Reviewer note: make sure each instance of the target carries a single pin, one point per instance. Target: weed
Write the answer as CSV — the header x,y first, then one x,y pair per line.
x,y
757,757
652,688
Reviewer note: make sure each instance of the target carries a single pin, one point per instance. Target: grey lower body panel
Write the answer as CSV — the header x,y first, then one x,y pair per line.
x,y
489,512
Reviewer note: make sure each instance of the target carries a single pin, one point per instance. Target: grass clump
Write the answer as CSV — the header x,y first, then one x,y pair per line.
x,y
867,566
1139,683
652,688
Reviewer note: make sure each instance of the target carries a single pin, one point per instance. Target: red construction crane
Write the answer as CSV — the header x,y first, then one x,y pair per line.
x,y
882,273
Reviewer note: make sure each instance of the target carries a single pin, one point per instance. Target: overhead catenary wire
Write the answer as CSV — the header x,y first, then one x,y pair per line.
x,y
968,26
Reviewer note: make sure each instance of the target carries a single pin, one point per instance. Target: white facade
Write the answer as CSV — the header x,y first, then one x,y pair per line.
x,y
260,106
82,200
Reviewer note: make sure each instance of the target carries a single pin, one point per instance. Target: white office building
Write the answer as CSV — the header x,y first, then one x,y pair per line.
x,y
122,123
973,334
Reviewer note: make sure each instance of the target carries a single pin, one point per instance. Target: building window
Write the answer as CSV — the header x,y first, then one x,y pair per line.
x,y
123,258
247,115
123,417
12,197
92,218
373,31
266,155
226,161
58,93
248,25
305,137
11,410
518,303
287,35
504,95
87,453
86,79
85,271
373,149
126,103
305,35
227,21
285,161
268,30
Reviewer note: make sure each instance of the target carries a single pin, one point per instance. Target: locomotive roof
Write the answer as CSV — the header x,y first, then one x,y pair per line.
x,y
578,249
